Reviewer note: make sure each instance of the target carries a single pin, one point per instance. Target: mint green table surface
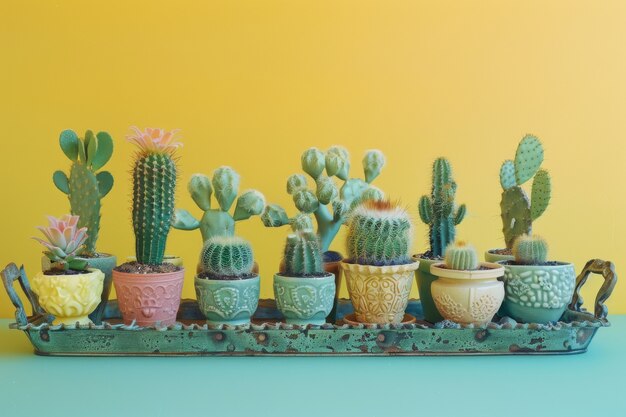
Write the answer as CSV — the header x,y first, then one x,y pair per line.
x,y
591,384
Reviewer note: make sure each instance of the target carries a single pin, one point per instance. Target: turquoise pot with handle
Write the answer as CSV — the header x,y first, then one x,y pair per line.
x,y
305,300
231,302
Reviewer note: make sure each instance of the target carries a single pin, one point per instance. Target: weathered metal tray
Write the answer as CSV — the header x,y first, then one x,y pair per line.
x,y
268,336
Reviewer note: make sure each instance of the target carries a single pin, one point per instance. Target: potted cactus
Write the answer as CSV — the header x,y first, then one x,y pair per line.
x,y
379,270
148,289
440,212
85,187
227,289
304,292
517,210
67,289
537,290
467,291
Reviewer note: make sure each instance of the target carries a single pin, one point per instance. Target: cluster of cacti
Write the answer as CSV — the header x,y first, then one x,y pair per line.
x,y
227,257
85,186
303,255
65,239
154,183
530,250
336,163
218,221
439,210
461,256
518,211
379,233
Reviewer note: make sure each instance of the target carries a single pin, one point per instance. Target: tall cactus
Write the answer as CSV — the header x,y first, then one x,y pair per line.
x,y
439,211
85,187
303,255
517,210
154,184
218,221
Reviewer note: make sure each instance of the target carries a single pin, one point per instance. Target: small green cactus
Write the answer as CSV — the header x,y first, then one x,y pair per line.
x,y
379,233
85,187
461,257
218,221
439,210
303,255
227,257
518,211
530,250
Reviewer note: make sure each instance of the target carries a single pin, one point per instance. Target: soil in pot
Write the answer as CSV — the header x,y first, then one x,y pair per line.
x,y
135,267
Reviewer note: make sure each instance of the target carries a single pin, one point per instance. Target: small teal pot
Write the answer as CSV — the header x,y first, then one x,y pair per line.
x,y
304,300
537,293
424,282
231,302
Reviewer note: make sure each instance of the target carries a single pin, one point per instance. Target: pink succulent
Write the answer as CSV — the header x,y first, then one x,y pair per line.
x,y
155,140
64,239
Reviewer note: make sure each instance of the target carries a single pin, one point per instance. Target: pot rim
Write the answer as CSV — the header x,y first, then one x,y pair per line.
x,y
560,264
91,271
352,267
495,271
103,255
156,275
252,278
327,275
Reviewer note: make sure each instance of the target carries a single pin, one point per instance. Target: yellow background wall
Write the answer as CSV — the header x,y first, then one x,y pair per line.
x,y
252,84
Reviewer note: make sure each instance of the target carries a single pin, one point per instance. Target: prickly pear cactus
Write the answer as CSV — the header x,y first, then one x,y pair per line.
x,y
85,186
303,255
461,256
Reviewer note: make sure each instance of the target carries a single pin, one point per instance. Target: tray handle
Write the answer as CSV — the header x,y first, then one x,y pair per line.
x,y
600,267
10,274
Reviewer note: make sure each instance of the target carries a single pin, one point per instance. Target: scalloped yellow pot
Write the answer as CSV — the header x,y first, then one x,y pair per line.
x,y
70,298
379,294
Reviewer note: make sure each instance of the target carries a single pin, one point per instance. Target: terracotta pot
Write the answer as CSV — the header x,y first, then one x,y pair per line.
x,y
468,297
490,256
424,281
70,298
304,300
149,299
379,294
231,302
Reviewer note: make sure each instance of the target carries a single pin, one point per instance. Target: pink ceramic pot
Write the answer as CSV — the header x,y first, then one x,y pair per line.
x,y
149,298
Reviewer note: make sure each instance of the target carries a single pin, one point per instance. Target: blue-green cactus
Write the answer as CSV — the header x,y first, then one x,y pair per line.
x,y
461,256
85,187
227,257
530,250
303,255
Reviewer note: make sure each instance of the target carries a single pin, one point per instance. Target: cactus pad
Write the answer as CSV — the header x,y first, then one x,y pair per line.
x,y
528,158
507,175
515,212
540,194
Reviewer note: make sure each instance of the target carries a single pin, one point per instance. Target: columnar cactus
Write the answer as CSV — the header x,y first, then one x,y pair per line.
x,y
227,257
154,184
439,210
530,250
303,255
329,204
64,241
218,221
85,186
517,210
461,256
379,233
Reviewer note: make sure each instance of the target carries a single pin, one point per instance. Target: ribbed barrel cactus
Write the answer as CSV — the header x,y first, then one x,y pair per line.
x,y
227,257
154,183
517,210
379,233
461,256
64,240
224,186
530,250
85,186
303,255
439,210
326,201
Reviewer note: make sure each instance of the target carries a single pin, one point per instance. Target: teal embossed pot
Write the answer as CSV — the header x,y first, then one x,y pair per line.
x,y
231,302
537,293
305,300
424,282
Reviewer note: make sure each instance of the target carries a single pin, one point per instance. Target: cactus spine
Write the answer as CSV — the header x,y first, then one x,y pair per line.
x,y
517,210
461,256
439,211
303,255
530,250
85,187
227,257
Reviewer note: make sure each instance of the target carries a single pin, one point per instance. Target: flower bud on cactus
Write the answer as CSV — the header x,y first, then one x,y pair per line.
x,y
313,162
227,257
200,189
64,240
461,256
373,163
326,190
296,182
338,162
301,222
274,216
305,201
226,186
303,255
250,203
530,250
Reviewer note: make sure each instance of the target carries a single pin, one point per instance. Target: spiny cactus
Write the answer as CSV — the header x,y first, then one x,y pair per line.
x,y
218,221
64,241
303,255
379,233
85,186
530,250
227,257
329,204
461,256
439,211
154,183
517,211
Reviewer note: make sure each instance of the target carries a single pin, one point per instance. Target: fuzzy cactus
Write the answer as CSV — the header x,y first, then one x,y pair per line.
x,y
439,210
517,210
461,256
154,183
224,186
530,250
379,233
303,255
64,240
227,257
85,186
329,204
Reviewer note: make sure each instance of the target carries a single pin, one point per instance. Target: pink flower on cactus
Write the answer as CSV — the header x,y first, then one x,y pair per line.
x,y
153,140
64,239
